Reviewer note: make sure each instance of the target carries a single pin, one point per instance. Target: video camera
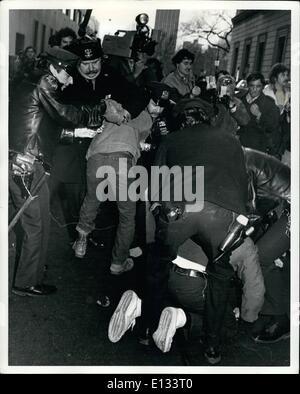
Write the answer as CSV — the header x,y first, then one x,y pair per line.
x,y
225,90
131,43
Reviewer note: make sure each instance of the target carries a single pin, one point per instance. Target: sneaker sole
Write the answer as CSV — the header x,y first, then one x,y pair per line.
x,y
163,336
282,338
135,252
16,292
128,309
211,360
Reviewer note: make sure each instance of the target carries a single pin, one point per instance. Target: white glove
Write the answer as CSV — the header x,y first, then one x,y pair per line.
x,y
22,164
84,133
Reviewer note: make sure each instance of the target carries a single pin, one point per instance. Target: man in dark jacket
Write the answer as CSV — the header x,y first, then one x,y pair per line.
x,y
270,186
36,120
92,81
263,130
200,141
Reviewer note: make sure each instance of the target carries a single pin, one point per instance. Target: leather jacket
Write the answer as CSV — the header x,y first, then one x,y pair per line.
x,y
37,116
269,179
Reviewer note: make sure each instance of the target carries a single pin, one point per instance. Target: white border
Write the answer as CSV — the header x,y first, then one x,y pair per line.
x,y
167,4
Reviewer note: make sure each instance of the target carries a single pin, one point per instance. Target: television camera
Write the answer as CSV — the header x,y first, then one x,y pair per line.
x,y
130,43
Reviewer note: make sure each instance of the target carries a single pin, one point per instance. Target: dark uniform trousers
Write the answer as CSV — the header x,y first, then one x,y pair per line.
x,y
35,222
207,228
270,246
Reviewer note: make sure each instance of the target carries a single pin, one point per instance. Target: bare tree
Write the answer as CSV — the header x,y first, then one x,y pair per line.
x,y
215,30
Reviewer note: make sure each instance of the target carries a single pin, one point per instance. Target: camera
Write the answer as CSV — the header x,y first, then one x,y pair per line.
x,y
130,43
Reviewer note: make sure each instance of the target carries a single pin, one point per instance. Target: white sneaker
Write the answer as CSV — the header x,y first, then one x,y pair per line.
x,y
118,269
135,252
128,309
80,245
170,320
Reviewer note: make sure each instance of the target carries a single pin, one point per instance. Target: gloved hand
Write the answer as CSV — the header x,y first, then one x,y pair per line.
x,y
145,147
84,133
154,109
22,164
255,111
115,113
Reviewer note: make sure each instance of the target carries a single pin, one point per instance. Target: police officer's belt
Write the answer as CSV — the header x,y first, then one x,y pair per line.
x,y
188,272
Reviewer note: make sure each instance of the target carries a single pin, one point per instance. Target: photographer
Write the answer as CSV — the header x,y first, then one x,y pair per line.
x,y
225,95
182,78
165,98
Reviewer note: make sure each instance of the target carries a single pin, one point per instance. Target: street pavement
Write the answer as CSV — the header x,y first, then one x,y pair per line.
x,y
70,329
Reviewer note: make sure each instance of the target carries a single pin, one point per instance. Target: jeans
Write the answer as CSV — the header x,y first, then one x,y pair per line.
x,y
126,209
35,223
245,261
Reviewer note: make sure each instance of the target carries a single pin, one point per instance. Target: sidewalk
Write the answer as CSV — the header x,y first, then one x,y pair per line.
x,y
70,329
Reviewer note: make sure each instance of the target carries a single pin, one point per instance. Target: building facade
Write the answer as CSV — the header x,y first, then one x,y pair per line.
x,y
165,33
260,38
34,27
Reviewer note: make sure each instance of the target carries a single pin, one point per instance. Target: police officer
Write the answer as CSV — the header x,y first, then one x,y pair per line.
x,y
36,120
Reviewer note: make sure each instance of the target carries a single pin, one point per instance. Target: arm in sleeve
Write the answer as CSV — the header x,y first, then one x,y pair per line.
x,y
272,177
142,123
68,115
240,114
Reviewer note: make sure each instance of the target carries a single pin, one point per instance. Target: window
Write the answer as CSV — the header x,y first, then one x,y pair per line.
x,y
280,45
246,55
20,40
260,52
79,17
74,15
35,33
43,38
67,12
235,58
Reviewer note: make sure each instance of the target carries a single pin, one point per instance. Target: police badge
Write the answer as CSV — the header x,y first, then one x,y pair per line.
x,y
88,53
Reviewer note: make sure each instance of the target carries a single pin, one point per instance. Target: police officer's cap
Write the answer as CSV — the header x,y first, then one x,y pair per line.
x,y
62,58
225,80
187,104
86,49
160,90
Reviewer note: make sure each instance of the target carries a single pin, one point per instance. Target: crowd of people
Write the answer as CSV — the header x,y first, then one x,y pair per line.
x,y
94,120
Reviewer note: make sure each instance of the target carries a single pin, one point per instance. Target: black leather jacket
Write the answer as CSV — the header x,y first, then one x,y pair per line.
x,y
269,179
37,117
